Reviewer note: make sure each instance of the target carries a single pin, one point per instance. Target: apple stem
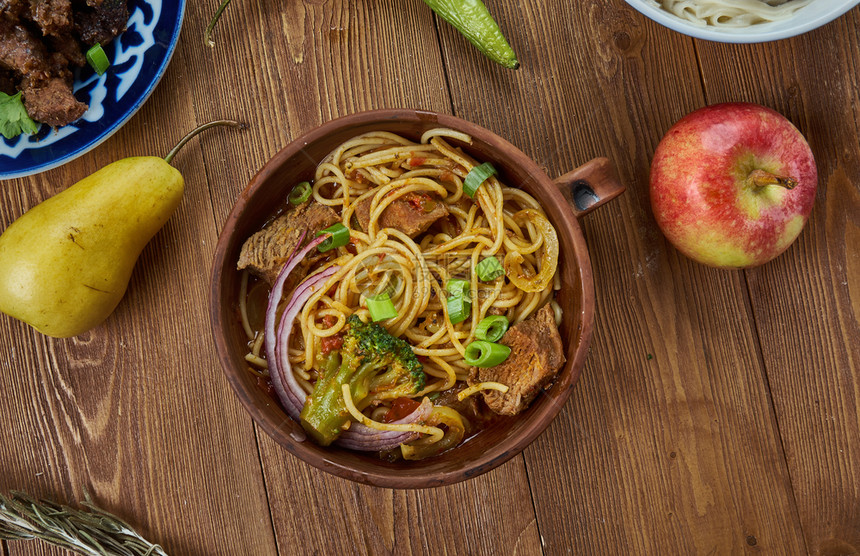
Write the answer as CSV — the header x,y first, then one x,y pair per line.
x,y
761,178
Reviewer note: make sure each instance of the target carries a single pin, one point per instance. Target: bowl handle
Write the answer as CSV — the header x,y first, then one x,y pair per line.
x,y
589,186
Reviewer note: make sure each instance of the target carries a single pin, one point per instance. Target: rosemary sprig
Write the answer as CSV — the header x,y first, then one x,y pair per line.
x,y
93,532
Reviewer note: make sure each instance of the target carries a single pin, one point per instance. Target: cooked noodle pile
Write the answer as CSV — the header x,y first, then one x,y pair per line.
x,y
732,13
499,221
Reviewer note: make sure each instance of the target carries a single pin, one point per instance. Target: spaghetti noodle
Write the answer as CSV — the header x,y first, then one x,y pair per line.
x,y
379,169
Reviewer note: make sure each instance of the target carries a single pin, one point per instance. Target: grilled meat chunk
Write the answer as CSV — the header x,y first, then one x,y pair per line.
x,y
265,252
51,101
103,23
46,81
54,17
40,41
536,356
411,214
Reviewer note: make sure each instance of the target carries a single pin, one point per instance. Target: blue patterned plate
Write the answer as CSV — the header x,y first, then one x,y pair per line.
x,y
138,57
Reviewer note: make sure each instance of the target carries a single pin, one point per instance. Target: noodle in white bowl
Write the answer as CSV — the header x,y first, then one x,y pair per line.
x,y
742,21
732,13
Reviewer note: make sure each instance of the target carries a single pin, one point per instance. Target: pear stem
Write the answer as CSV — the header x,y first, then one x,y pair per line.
x,y
761,178
194,132
207,35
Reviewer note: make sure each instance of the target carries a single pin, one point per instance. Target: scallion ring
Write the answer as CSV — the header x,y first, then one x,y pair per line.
x,y
459,308
476,177
98,59
481,353
338,238
300,193
492,328
489,269
456,286
381,307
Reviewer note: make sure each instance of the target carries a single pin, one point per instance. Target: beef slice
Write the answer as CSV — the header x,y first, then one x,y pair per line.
x,y
536,356
407,214
265,252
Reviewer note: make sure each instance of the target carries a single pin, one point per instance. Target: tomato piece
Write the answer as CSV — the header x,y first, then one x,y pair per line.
x,y
331,343
400,408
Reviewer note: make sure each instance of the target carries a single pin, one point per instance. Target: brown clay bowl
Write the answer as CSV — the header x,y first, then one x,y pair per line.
x,y
563,200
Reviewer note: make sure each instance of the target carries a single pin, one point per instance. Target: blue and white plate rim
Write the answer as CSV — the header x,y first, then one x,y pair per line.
x,y
98,140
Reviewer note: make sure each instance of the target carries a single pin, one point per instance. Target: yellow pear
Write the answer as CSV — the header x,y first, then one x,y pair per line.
x,y
65,264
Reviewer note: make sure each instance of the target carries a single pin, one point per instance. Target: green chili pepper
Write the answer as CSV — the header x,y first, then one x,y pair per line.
x,y
474,21
469,17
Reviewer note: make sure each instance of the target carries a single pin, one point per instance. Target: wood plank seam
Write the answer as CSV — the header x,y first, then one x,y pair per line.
x,y
766,376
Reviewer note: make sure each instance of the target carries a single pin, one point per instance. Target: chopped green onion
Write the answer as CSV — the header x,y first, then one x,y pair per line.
x,y
300,193
381,307
492,328
459,308
455,286
476,177
489,269
98,59
481,353
339,237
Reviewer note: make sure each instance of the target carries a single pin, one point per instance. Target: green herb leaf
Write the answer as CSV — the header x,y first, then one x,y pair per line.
x,y
13,117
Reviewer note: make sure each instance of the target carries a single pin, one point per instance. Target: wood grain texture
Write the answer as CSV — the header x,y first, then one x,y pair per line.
x,y
366,60
475,517
136,411
682,423
717,413
805,303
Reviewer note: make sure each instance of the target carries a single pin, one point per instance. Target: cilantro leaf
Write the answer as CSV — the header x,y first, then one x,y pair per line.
x,y
13,117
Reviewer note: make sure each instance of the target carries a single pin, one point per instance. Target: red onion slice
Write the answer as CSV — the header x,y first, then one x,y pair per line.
x,y
275,298
292,395
365,439
359,436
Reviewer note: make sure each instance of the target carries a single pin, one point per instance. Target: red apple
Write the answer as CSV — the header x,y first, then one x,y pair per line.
x,y
732,184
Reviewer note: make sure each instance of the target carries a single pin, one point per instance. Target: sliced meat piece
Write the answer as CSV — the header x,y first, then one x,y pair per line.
x,y
67,50
47,82
411,214
52,101
102,23
54,17
536,356
21,51
265,252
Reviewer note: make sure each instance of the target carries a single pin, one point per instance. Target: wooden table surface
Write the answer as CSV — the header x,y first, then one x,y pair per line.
x,y
717,412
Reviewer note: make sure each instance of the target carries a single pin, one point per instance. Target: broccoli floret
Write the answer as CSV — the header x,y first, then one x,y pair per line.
x,y
371,362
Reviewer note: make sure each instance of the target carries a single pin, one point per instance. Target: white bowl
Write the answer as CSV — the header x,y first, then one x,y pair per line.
x,y
811,16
